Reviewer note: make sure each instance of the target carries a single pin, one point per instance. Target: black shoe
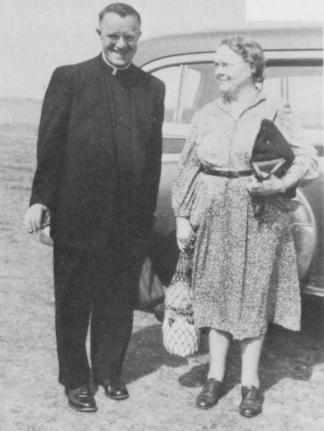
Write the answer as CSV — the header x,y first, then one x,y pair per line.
x,y
210,394
81,399
116,390
252,401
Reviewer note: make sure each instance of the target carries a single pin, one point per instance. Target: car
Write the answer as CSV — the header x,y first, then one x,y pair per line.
x,y
294,71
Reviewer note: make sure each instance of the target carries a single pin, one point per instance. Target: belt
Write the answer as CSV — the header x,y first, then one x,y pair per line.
x,y
228,173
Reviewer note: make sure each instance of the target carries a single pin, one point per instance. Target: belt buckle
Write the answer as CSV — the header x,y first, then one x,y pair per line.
x,y
234,174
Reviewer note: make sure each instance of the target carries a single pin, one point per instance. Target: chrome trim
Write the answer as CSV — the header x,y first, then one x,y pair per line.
x,y
170,157
176,130
300,195
293,54
206,57
310,289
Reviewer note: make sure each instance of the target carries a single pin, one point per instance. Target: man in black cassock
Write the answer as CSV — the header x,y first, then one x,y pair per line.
x,y
97,176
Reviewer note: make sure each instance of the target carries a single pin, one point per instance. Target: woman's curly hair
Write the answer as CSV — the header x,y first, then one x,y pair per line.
x,y
250,51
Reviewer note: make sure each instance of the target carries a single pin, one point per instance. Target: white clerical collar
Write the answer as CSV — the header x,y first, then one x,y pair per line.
x,y
114,68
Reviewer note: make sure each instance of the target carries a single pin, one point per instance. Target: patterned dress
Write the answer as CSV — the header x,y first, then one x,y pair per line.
x,y
244,271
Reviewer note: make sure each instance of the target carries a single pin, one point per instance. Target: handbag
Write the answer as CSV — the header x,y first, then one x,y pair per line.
x,y
272,154
180,335
151,290
263,170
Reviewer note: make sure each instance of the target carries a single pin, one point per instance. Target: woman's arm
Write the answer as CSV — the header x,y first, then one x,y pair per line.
x,y
183,188
187,171
305,164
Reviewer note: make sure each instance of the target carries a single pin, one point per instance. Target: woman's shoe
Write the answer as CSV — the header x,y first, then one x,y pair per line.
x,y
210,394
252,401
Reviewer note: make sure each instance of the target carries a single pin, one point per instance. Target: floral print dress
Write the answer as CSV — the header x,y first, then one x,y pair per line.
x,y
244,270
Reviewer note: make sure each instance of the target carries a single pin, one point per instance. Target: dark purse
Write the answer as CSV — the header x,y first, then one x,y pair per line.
x,y
272,154
263,170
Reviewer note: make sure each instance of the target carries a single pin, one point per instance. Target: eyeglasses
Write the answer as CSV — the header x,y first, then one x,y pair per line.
x,y
224,65
228,66
128,38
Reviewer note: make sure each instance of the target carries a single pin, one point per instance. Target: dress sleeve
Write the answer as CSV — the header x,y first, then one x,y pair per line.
x,y
188,168
305,165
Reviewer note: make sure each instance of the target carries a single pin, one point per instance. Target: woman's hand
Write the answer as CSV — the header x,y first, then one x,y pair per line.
x,y
185,233
271,186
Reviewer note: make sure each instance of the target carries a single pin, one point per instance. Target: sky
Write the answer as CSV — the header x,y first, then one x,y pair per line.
x,y
38,35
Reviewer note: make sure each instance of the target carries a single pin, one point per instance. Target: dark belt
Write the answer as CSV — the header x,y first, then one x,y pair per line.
x,y
228,173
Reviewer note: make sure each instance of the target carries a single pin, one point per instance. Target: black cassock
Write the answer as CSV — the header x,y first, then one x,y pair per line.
x,y
99,160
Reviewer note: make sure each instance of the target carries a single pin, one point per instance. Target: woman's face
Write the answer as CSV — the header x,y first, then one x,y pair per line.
x,y
232,72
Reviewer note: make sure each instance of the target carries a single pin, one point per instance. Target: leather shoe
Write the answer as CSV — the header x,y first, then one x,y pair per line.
x,y
81,399
252,401
210,394
116,390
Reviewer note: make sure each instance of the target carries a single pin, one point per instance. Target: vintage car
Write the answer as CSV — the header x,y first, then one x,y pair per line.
x,y
294,72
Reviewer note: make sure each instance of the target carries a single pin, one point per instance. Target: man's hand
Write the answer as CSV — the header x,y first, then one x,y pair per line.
x,y
271,186
185,233
36,217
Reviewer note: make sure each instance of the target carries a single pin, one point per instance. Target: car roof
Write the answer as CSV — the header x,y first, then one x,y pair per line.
x,y
288,38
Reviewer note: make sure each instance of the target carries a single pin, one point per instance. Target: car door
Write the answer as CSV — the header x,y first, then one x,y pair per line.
x,y
296,77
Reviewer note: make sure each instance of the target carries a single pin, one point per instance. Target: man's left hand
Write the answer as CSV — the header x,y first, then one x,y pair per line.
x,y
273,185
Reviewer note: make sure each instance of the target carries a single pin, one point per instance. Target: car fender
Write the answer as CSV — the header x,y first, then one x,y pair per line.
x,y
303,226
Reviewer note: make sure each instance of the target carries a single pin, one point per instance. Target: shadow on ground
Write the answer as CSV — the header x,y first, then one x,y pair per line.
x,y
286,354
146,354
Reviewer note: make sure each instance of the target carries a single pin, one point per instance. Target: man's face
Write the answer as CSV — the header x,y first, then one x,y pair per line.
x,y
119,37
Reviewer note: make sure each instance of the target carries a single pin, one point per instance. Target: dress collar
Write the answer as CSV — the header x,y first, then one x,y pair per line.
x,y
222,104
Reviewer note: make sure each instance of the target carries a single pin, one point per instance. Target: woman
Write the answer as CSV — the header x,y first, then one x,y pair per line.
x,y
244,269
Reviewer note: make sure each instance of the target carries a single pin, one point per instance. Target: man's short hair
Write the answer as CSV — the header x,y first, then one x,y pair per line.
x,y
121,9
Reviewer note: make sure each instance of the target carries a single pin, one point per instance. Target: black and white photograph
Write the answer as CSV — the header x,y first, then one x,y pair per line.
x,y
162,212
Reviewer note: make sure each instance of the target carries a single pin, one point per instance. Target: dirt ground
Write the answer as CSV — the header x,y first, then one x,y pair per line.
x,y
162,388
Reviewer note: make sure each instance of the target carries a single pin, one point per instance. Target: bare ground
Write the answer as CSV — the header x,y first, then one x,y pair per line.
x,y
162,388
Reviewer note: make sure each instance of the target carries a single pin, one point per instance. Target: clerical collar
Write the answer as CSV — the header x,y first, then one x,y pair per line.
x,y
114,68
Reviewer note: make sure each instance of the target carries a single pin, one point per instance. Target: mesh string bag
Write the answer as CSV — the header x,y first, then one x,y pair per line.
x,y
180,335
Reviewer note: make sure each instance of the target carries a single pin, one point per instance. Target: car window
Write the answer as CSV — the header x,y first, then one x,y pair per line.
x,y
302,88
189,86
171,77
